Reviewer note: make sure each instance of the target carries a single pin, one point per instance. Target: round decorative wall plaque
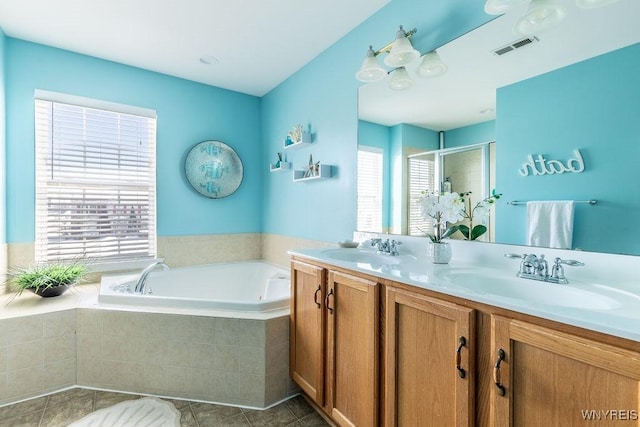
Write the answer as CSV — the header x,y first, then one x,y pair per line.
x,y
214,169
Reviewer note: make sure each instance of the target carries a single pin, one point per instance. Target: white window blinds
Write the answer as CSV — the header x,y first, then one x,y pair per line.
x,y
421,178
95,183
369,189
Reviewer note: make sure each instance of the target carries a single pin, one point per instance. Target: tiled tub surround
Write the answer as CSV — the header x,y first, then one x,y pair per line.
x,y
69,340
37,354
226,360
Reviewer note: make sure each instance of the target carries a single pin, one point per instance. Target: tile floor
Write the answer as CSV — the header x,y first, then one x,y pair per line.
x,y
61,409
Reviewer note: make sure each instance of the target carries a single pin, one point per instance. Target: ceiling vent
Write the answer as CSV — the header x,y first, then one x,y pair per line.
x,y
515,45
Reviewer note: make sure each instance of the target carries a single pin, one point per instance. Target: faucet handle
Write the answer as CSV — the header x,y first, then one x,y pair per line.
x,y
513,256
393,248
524,262
557,271
570,262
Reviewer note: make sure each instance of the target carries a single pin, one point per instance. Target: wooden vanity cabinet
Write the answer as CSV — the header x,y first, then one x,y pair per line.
x,y
334,342
545,377
306,329
373,352
429,361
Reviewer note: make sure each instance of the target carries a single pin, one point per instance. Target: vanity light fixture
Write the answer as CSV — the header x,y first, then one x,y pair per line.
x,y
540,16
431,65
400,52
371,70
498,7
400,79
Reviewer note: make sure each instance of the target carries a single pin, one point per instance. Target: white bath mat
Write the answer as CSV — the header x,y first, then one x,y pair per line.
x,y
145,412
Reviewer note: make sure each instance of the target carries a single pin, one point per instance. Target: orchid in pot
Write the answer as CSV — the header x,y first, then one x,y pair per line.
x,y
443,208
479,215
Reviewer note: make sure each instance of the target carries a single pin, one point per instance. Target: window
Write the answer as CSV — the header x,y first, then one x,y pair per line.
x,y
95,182
369,189
421,178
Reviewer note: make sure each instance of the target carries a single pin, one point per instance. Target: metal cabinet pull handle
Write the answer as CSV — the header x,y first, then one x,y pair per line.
x,y
462,342
496,373
326,301
315,296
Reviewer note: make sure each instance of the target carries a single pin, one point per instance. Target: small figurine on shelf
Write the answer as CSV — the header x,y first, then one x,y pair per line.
x,y
279,162
316,169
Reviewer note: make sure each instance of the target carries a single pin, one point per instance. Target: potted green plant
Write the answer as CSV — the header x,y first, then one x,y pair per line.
x,y
47,280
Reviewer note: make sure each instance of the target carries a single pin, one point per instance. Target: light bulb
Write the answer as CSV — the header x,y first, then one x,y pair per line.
x,y
540,16
402,52
370,71
431,65
400,79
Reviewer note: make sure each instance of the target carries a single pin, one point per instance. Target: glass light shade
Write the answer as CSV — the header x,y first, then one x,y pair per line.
x,y
400,79
498,7
540,16
431,65
401,51
591,4
371,70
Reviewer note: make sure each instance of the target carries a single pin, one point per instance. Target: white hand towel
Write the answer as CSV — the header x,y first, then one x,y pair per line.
x,y
550,224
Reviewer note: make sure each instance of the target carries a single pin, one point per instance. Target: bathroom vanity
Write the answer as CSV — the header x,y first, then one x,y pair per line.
x,y
399,341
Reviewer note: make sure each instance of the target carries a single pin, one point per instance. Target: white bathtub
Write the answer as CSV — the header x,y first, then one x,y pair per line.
x,y
252,286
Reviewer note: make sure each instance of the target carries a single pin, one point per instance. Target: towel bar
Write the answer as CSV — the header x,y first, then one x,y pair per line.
x,y
521,202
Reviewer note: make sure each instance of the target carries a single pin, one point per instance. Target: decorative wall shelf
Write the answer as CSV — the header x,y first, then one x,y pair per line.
x,y
304,140
324,173
283,166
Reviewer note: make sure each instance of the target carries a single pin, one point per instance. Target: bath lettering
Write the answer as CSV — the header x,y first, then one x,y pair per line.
x,y
541,166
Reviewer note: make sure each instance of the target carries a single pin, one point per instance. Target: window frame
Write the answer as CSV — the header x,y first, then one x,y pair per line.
x,y
137,187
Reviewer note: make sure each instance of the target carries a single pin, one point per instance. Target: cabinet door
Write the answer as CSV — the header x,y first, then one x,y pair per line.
x,y
550,378
429,363
306,332
352,344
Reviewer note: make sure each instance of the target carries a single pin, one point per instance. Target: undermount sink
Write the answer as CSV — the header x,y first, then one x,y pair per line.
x,y
480,282
366,257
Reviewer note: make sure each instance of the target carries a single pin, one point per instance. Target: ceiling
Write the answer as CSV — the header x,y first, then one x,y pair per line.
x,y
466,94
256,44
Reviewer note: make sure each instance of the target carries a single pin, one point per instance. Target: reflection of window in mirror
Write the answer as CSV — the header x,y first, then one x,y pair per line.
x,y
421,171
370,175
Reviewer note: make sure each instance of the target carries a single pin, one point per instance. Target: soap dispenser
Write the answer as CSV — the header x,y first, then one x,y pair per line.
x,y
446,185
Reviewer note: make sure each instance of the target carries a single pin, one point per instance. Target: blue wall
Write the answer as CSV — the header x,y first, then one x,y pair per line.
x,y
472,134
595,108
187,112
3,232
323,94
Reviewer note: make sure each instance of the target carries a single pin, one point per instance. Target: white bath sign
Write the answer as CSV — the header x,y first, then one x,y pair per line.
x,y
538,165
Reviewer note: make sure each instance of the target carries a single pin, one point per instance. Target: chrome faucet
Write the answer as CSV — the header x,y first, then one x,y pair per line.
x,y
536,268
142,279
386,247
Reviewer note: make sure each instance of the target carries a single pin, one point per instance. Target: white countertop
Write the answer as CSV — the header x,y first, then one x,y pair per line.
x,y
621,317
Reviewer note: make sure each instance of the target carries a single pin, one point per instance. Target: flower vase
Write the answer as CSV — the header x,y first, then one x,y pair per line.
x,y
440,253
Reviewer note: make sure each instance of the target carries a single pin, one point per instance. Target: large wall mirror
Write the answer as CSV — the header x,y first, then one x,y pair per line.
x,y
573,87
